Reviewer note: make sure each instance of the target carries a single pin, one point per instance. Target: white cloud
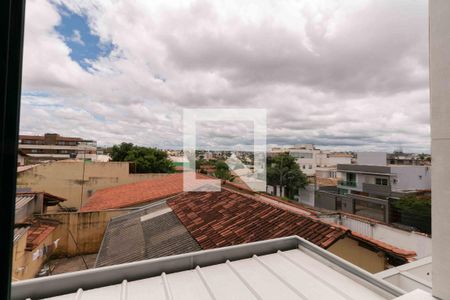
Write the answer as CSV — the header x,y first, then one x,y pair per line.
x,y
76,37
347,74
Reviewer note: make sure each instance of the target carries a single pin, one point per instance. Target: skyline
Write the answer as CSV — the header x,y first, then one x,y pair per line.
x,y
346,76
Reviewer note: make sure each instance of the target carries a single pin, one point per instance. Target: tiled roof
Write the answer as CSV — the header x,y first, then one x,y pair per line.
x,y
132,194
407,254
219,219
37,233
147,233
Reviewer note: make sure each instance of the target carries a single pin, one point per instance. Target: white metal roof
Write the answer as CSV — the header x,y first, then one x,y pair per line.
x,y
291,274
411,276
284,268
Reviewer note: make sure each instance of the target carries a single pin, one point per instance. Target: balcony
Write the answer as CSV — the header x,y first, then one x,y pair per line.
x,y
347,183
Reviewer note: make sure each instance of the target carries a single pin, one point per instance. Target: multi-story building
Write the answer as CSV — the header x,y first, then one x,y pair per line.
x,y
52,146
368,187
310,159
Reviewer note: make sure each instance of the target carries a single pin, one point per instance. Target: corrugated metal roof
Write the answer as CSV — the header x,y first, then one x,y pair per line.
x,y
22,200
147,233
284,268
19,232
289,274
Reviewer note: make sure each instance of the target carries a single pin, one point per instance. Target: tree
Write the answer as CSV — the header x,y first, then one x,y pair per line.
x,y
283,171
414,212
146,160
223,171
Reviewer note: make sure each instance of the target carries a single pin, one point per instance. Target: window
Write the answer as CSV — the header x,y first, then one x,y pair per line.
x,y
381,181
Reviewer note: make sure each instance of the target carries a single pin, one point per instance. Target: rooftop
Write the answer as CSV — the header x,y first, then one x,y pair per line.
x,y
150,232
411,276
219,219
285,268
37,233
133,194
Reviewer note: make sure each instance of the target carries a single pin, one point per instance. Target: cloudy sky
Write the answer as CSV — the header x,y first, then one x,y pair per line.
x,y
345,75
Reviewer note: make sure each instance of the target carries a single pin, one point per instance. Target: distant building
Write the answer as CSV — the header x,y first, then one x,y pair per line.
x,y
368,187
311,159
76,180
399,158
21,158
52,146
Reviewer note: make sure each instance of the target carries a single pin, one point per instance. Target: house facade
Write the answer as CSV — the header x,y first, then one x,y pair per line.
x,y
369,187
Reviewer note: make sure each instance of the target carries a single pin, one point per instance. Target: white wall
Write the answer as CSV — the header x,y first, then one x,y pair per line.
x,y
335,160
439,11
418,242
371,158
411,177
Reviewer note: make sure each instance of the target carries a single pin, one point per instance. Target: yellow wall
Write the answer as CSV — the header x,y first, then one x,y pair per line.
x,y
24,267
65,178
349,250
87,229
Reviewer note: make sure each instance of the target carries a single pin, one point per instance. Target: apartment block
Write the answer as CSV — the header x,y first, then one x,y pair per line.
x,y
52,146
310,159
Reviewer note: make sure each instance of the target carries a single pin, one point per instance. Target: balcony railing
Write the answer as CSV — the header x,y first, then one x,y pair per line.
x,y
347,183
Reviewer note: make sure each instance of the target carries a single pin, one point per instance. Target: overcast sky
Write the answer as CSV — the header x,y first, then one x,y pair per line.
x,y
344,75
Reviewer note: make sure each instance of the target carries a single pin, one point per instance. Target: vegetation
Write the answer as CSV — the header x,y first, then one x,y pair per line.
x,y
146,160
283,171
223,171
414,211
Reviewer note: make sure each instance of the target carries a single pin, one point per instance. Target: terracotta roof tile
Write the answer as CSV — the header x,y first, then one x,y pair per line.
x,y
132,194
37,233
407,254
218,219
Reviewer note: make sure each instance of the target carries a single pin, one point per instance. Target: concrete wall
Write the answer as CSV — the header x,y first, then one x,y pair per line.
x,y
366,259
24,267
439,11
86,228
306,195
409,240
411,178
65,179
325,200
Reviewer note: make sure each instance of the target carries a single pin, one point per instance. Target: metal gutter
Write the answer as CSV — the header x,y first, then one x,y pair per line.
x,y
105,276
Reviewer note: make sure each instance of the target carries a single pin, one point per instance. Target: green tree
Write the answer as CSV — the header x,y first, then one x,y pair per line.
x,y
120,152
414,212
223,171
146,160
283,171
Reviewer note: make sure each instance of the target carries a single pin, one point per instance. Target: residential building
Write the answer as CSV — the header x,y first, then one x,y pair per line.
x,y
369,187
31,203
310,159
34,241
410,159
76,180
52,146
136,194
